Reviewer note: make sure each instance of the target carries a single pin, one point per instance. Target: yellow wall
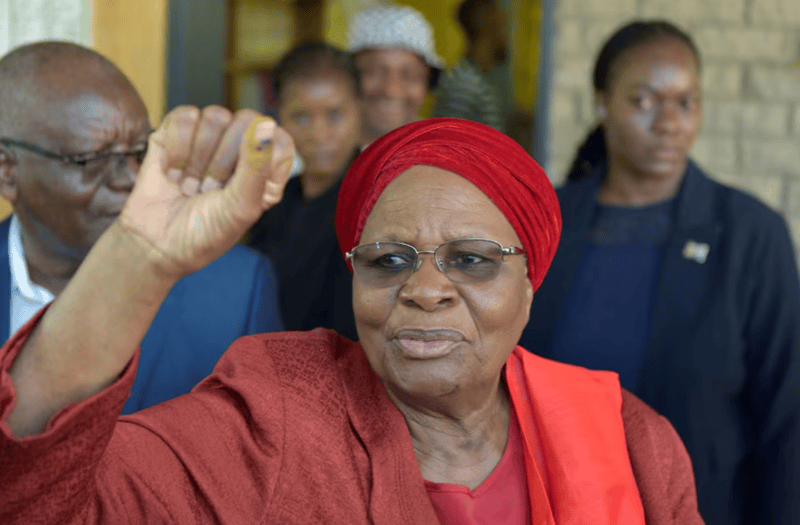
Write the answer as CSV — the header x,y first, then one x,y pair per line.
x,y
525,35
5,209
447,33
133,35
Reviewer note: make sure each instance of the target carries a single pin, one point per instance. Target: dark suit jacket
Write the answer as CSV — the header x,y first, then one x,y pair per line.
x,y
203,314
723,358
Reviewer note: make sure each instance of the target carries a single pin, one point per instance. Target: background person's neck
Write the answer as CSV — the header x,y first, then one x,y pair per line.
x,y
47,268
623,187
315,185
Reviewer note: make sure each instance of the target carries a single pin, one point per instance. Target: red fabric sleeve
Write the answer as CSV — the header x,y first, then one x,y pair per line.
x,y
43,475
158,466
661,465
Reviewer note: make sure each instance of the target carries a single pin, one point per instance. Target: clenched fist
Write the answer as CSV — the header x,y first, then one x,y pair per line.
x,y
208,176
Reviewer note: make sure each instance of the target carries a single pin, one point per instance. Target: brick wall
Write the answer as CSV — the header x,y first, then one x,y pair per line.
x,y
751,87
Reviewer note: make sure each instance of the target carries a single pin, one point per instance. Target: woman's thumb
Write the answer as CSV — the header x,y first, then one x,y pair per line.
x,y
265,162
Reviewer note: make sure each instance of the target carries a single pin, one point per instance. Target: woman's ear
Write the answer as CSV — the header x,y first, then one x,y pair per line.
x,y
529,293
8,179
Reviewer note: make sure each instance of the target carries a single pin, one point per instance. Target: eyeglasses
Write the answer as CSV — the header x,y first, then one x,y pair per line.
x,y
469,261
89,161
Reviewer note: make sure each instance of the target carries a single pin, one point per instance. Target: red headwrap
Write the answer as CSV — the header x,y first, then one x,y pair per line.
x,y
493,162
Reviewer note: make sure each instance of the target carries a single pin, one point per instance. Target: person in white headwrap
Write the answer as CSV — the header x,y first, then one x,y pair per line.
x,y
394,49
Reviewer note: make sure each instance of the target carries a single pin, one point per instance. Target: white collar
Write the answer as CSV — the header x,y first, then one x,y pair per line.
x,y
20,279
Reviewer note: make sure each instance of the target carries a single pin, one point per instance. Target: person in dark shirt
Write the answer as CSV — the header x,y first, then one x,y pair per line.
x,y
685,287
317,105
466,91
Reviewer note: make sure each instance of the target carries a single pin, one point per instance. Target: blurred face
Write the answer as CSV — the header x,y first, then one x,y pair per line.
x,y
321,115
393,86
430,337
653,110
68,207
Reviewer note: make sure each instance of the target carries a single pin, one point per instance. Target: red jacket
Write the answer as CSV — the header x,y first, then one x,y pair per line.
x,y
302,431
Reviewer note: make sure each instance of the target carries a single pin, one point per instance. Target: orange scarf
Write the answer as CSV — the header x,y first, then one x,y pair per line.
x,y
576,455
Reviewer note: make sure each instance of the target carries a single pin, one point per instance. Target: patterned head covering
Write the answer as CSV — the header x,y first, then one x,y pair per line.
x,y
393,27
491,161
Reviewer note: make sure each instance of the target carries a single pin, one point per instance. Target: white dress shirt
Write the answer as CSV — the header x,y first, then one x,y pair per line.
x,y
27,297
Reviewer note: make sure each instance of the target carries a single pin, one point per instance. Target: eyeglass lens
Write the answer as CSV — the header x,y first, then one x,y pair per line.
x,y
92,162
100,161
462,261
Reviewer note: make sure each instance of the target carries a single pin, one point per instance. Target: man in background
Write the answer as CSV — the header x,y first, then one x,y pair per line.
x,y
73,133
466,91
395,54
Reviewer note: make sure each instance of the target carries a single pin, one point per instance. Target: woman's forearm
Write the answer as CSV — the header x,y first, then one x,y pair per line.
x,y
91,331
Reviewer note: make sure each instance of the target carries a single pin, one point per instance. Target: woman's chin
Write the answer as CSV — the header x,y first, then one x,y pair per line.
x,y
325,170
420,392
666,169
424,379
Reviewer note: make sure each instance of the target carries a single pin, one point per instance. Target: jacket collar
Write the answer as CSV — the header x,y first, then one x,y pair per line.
x,y
581,198
397,492
696,231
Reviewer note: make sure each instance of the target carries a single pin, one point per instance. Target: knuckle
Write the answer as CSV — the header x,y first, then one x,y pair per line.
x,y
244,117
217,116
185,115
247,113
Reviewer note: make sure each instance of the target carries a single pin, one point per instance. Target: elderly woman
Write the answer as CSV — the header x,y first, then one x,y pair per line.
x,y
436,416
685,287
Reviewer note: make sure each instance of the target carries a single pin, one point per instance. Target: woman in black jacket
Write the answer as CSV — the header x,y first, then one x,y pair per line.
x,y
685,287
316,85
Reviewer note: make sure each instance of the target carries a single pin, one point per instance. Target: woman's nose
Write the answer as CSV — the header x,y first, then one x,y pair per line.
x,y
393,85
427,287
668,119
321,130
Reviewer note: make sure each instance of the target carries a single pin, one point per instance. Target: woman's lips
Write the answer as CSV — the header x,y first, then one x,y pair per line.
x,y
324,156
427,344
668,153
415,349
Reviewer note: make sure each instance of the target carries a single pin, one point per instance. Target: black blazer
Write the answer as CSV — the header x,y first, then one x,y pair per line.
x,y
723,358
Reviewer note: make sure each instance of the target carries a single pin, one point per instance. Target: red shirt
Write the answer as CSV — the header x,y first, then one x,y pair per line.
x,y
502,498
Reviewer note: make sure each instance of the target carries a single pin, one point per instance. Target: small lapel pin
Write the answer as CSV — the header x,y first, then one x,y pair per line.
x,y
696,251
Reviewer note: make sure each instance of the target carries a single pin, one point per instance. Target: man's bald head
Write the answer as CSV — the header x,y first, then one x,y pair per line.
x,y
34,76
69,100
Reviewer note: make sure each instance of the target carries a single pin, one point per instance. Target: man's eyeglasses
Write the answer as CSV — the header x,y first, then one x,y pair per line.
x,y
90,160
469,261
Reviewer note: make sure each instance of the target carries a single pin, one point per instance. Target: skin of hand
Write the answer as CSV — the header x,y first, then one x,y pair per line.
x,y
204,182
207,177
